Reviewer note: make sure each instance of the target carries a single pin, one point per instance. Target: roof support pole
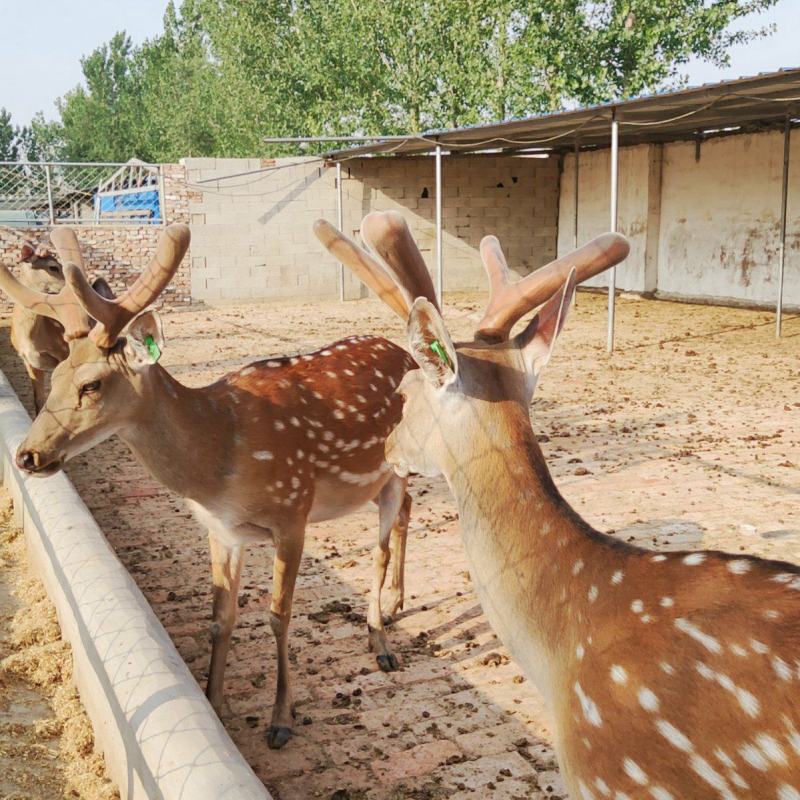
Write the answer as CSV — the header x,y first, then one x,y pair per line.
x,y
612,275
575,192
787,128
340,221
438,201
577,152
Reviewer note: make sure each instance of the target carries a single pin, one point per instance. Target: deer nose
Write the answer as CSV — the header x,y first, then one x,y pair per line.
x,y
26,460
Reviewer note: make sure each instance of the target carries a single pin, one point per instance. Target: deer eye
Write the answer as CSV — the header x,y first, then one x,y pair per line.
x,y
92,386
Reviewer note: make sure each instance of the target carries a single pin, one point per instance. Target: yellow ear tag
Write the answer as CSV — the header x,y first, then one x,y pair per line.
x,y
437,348
152,348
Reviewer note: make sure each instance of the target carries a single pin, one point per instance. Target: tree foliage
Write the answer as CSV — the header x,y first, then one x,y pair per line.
x,y
226,73
8,137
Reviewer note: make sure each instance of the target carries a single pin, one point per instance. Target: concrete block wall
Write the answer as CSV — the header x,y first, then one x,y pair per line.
x,y
702,227
252,238
118,253
513,197
251,235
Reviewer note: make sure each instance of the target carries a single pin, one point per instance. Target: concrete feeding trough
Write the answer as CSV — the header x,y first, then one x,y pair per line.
x,y
160,737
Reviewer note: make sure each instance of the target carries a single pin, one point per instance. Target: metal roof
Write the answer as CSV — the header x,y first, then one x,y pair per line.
x,y
750,102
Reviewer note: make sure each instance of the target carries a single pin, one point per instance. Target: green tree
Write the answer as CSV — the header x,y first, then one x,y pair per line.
x,y
95,119
224,74
41,140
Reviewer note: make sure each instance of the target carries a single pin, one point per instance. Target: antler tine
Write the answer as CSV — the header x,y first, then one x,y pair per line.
x,y
388,236
113,315
360,262
24,295
508,302
62,307
66,244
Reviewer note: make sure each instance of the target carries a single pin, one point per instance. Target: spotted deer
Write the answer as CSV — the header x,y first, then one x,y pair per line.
x,y
669,675
258,454
39,338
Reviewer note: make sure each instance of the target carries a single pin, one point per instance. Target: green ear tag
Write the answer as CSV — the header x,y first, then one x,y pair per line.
x,y
152,348
437,348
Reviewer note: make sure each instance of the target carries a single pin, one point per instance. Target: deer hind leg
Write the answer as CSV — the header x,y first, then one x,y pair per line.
x,y
226,569
393,503
288,553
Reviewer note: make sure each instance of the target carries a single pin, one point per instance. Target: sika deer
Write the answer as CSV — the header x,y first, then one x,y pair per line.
x,y
258,454
669,675
38,339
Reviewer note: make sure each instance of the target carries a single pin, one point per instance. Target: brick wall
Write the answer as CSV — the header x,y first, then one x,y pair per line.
x,y
251,234
118,252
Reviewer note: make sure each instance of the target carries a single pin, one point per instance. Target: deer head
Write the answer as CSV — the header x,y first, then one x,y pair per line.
x,y
103,384
40,268
455,382
62,307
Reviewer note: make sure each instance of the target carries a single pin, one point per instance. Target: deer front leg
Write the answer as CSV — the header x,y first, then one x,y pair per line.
x,y
396,594
288,552
37,377
391,505
226,569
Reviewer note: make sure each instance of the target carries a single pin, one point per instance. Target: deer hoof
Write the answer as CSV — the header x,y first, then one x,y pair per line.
x,y
277,736
388,662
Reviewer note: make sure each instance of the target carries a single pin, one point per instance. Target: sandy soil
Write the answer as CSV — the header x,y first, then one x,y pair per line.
x,y
46,741
689,436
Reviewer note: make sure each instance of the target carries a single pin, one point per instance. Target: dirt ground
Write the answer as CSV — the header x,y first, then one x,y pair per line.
x,y
688,436
46,741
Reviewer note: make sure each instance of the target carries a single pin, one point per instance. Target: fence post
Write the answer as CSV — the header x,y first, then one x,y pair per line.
x,y
49,194
162,206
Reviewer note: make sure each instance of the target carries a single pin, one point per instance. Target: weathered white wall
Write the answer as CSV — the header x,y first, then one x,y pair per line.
x,y
720,219
700,229
594,208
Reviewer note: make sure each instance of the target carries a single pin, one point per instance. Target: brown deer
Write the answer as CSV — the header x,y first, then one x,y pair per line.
x,y
669,675
257,455
38,339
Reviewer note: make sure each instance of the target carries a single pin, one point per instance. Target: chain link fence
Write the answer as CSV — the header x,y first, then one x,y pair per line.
x,y
33,194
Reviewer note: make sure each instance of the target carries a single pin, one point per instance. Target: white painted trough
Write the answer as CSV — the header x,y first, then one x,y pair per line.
x,y
160,737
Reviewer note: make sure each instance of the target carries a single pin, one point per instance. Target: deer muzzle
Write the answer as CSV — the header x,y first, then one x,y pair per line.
x,y
34,462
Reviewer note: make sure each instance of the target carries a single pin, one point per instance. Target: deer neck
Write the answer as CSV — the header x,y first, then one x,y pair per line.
x,y
183,436
523,542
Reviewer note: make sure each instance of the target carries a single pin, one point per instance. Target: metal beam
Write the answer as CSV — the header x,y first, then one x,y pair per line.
x,y
612,275
340,222
787,129
439,254
314,139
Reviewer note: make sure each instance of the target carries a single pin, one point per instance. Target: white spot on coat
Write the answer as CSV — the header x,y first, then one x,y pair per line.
x,y
693,559
590,710
634,772
709,642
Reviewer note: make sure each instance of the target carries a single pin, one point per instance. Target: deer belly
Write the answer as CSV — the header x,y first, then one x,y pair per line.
x,y
338,495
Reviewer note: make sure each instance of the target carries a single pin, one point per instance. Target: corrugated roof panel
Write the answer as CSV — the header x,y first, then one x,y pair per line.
x,y
672,114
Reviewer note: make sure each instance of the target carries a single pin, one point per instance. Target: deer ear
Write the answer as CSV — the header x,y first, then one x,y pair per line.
x,y
26,251
537,341
145,339
430,343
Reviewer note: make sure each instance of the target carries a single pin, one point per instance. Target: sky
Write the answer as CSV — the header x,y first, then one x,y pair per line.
x,y
42,41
